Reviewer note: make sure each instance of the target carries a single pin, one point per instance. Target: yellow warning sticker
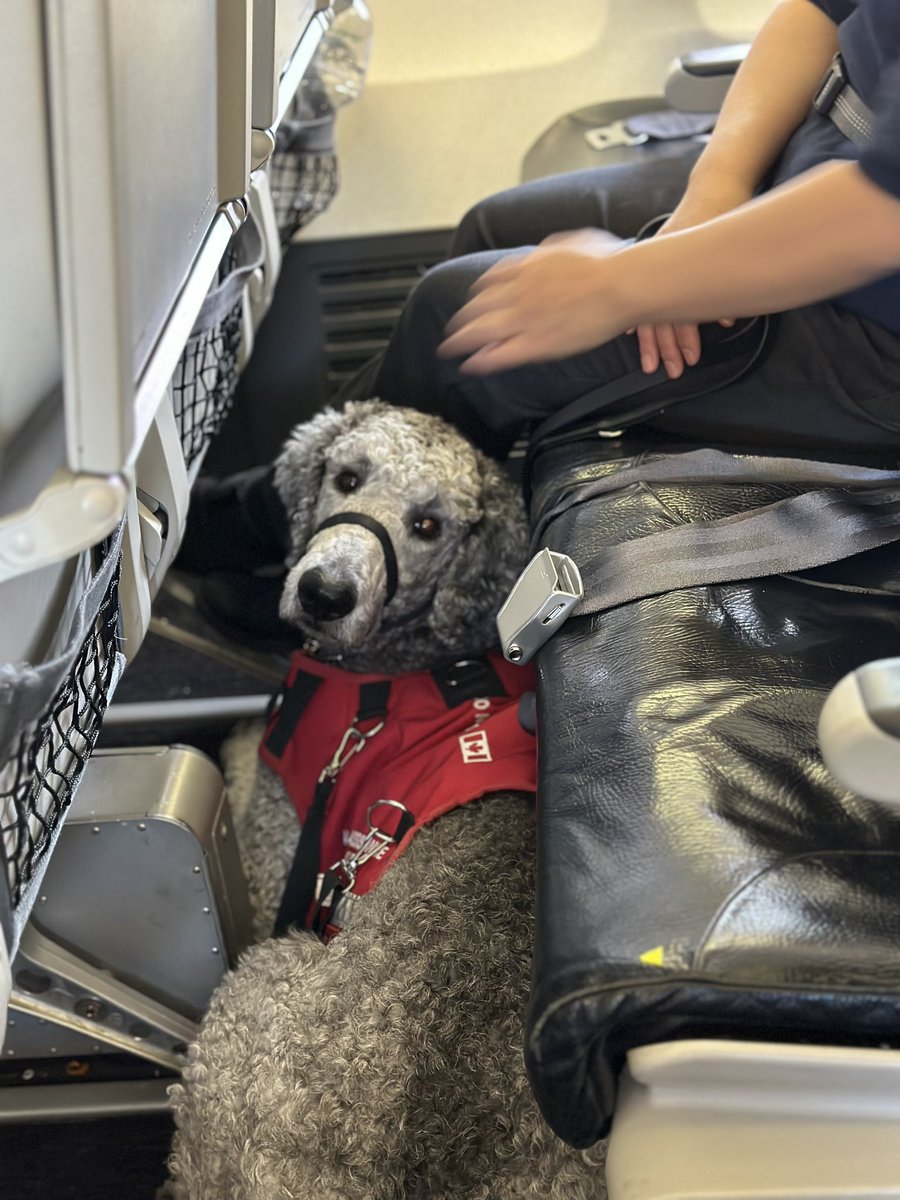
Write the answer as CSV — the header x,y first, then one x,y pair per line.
x,y
654,957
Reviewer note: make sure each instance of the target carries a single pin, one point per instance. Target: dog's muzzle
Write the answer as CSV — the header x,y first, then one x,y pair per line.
x,y
387,546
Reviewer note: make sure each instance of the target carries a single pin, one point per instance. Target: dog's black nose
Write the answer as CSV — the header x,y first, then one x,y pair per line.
x,y
325,599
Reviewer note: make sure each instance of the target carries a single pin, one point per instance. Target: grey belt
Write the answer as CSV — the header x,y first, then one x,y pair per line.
x,y
856,510
837,101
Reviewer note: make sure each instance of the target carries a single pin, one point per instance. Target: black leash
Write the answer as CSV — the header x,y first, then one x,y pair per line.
x,y
300,889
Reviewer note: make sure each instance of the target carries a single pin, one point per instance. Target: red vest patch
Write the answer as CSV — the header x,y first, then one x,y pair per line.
x,y
368,759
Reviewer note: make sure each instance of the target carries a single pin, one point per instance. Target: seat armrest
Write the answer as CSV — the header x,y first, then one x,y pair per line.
x,y
697,81
859,731
721,1120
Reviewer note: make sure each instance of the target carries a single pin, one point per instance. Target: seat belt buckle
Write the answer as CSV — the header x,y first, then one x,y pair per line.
x,y
541,599
831,87
616,133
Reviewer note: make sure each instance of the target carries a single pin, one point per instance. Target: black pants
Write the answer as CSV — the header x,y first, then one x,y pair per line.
x,y
830,381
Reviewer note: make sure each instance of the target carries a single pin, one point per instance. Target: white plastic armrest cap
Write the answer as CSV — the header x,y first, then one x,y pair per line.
x,y
857,752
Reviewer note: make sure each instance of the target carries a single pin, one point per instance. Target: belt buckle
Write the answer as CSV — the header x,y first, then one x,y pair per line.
x,y
541,599
614,134
830,88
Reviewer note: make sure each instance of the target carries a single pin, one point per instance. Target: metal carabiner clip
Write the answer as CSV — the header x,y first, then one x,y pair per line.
x,y
343,872
351,743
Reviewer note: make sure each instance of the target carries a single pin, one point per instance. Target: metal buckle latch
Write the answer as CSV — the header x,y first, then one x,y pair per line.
x,y
541,599
614,134
830,87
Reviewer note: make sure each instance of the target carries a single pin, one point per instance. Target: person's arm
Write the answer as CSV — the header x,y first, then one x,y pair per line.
x,y
828,231
769,97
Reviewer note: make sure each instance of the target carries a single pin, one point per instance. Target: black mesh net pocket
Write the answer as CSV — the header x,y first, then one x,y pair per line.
x,y
303,184
51,719
205,379
303,171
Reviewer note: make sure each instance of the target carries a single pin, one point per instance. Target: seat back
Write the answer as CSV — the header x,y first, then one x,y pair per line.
x,y
140,249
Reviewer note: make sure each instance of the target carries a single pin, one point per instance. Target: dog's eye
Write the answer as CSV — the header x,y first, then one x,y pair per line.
x,y
346,482
427,528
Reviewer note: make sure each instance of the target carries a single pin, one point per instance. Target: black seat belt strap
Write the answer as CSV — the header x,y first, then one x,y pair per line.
x,y
706,466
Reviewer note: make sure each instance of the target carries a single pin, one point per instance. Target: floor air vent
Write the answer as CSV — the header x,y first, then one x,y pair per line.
x,y
359,309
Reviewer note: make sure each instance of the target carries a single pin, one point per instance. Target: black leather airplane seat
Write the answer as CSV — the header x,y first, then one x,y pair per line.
x,y
701,875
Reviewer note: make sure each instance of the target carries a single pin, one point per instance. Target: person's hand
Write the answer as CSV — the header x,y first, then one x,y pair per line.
x,y
676,345
550,303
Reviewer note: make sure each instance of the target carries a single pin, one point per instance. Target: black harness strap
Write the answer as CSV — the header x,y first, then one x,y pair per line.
x,y
292,706
373,700
300,889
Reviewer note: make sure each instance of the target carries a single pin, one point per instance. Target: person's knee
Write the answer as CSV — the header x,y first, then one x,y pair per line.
x,y
443,290
469,235
482,227
410,371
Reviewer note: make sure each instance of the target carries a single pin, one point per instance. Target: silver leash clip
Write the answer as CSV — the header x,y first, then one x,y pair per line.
x,y
351,743
541,599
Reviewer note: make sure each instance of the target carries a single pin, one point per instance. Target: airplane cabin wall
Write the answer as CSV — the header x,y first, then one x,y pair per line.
x,y
459,89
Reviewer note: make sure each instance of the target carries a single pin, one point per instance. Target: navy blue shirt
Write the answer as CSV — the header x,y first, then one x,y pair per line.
x,y
869,34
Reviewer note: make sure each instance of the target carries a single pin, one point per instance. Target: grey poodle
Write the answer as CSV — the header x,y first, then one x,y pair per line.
x,y
388,1064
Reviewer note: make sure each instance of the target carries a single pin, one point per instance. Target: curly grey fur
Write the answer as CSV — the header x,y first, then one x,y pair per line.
x,y
387,1065
265,821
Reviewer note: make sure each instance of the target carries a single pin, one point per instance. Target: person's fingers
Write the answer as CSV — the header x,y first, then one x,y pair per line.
x,y
503,355
687,334
669,350
564,236
650,357
475,330
592,241
507,268
672,345
498,297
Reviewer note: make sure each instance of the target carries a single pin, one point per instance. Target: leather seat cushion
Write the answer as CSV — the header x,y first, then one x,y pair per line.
x,y
700,872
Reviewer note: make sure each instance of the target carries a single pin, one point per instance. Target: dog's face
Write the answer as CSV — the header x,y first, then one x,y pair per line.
x,y
391,484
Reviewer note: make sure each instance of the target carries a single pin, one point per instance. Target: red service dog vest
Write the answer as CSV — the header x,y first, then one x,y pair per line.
x,y
369,759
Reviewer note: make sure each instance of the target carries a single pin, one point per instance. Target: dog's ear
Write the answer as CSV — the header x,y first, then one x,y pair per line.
x,y
301,465
486,566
